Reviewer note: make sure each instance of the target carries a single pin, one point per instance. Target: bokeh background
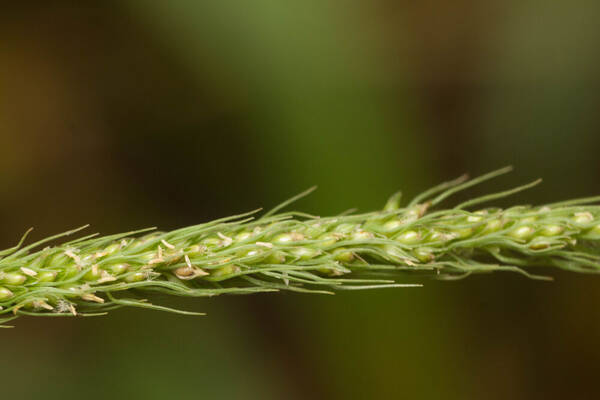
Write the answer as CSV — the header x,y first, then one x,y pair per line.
x,y
127,114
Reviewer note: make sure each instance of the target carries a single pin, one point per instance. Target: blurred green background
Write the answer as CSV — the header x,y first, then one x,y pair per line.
x,y
127,114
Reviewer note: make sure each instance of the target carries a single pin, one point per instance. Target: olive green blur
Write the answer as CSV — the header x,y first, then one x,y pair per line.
x,y
131,114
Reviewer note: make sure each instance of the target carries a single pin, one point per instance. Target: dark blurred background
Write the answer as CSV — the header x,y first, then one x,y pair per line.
x,y
127,114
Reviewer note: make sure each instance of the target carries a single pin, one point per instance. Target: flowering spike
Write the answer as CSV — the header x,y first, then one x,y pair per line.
x,y
299,252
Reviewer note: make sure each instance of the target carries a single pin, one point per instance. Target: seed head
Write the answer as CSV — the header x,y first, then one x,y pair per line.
x,y
298,252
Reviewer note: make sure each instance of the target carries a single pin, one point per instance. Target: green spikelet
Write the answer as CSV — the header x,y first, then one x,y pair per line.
x,y
299,252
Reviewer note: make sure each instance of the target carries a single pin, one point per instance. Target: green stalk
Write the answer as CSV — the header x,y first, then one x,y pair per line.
x,y
300,252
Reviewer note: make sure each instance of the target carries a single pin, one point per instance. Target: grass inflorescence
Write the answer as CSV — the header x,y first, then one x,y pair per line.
x,y
299,252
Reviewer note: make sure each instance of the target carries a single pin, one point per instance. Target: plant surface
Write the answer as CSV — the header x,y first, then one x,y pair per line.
x,y
299,252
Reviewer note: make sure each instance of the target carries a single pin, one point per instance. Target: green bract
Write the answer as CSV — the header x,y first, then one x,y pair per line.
x,y
299,252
